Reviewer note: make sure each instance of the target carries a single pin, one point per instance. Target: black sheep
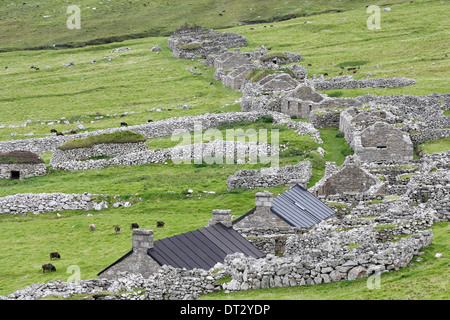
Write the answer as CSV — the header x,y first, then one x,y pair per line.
x,y
55,255
134,226
160,224
48,267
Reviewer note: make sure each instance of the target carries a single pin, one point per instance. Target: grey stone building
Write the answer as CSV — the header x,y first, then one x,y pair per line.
x,y
200,249
349,180
383,142
21,165
301,101
135,261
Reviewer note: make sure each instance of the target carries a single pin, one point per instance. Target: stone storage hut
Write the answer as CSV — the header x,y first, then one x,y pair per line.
x,y
20,165
102,146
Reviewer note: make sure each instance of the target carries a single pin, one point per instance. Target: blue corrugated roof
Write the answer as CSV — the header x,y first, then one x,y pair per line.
x,y
201,248
298,207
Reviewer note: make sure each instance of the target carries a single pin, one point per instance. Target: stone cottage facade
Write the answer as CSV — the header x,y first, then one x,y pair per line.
x,y
261,216
350,180
383,142
137,260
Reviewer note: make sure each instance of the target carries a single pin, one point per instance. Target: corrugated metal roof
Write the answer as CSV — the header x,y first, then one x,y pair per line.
x,y
201,248
298,207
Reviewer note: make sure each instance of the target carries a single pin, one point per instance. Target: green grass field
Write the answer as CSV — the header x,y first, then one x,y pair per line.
x,y
432,146
44,23
138,81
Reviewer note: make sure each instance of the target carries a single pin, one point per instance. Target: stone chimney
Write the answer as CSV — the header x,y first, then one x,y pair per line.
x,y
142,240
263,201
220,215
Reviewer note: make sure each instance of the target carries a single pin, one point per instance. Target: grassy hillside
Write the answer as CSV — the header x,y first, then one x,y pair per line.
x,y
407,45
43,23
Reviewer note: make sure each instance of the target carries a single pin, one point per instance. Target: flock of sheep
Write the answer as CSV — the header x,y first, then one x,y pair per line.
x,y
56,255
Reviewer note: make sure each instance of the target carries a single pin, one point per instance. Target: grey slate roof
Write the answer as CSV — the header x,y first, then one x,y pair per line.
x,y
298,207
201,248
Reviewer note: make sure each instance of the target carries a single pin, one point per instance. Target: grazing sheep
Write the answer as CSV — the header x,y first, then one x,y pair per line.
x,y
124,124
134,226
59,134
150,121
72,132
55,255
117,229
160,224
92,227
48,267
53,131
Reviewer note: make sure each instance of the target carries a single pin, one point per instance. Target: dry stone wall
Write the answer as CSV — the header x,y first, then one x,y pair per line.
x,y
108,149
216,151
271,177
350,83
161,128
45,202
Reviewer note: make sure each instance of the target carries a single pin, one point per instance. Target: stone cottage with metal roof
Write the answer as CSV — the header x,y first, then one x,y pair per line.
x,y
296,208
201,249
